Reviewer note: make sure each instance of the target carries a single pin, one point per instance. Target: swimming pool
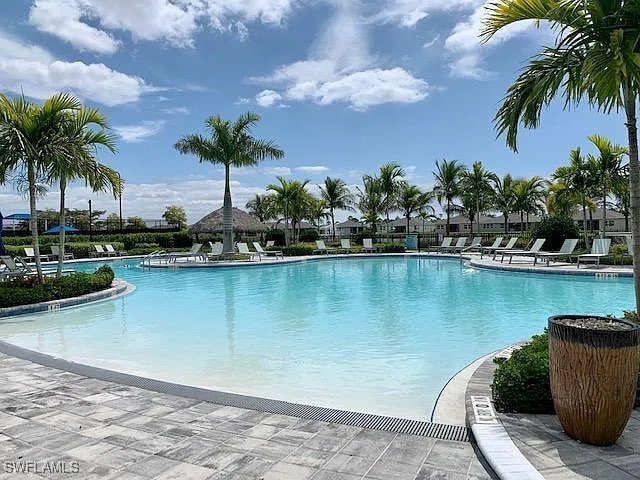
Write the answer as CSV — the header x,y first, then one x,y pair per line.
x,y
379,335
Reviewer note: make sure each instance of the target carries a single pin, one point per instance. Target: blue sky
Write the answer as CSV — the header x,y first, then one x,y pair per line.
x,y
343,86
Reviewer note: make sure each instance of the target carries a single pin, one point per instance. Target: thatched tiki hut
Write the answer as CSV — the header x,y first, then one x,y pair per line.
x,y
243,223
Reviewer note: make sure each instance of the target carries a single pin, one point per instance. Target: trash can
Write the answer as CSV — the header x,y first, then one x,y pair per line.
x,y
411,242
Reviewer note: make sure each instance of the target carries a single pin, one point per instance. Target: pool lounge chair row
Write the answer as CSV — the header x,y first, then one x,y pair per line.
x,y
13,268
345,246
107,251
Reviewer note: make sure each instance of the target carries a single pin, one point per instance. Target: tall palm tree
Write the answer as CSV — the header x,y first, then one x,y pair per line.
x,y
448,175
85,130
529,195
595,56
477,189
622,195
370,201
291,198
337,195
232,145
411,200
262,207
390,179
608,165
579,178
317,211
504,198
29,139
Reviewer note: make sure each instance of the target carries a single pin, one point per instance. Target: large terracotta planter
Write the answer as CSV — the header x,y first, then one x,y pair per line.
x,y
593,370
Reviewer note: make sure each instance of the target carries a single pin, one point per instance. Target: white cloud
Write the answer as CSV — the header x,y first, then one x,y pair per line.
x,y
140,132
408,13
313,169
464,43
431,42
36,72
268,98
177,110
225,14
242,101
281,171
340,69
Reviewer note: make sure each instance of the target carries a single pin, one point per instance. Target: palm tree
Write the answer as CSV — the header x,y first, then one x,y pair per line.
x,y
622,195
337,196
608,165
477,189
370,201
504,198
528,194
390,179
317,211
595,56
79,162
262,207
579,178
231,145
29,139
411,199
447,186
291,199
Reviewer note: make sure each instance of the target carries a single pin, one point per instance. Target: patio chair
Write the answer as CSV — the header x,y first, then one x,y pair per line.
x,y
243,249
496,244
509,246
194,252
55,252
113,251
535,248
460,243
270,243
322,248
98,251
476,244
599,249
216,251
566,250
110,251
16,267
446,243
262,251
30,255
367,245
345,245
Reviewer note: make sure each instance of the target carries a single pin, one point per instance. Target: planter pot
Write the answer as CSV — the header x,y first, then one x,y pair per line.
x,y
593,369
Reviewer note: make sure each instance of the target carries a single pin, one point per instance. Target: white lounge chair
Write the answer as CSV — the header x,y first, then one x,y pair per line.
x,y
566,250
496,244
194,252
55,252
535,248
509,246
322,248
216,251
98,251
262,251
367,245
599,249
270,243
243,249
345,245
16,267
476,244
30,255
446,243
460,243
113,251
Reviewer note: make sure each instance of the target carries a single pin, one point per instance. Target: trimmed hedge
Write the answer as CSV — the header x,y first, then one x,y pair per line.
x,y
128,240
521,383
27,291
390,247
298,249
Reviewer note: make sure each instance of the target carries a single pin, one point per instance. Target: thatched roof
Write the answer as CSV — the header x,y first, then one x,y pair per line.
x,y
242,222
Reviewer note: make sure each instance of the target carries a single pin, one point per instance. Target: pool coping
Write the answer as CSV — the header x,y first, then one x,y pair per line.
x,y
118,288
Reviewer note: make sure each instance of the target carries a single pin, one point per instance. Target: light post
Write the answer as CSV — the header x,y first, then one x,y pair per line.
x,y
120,198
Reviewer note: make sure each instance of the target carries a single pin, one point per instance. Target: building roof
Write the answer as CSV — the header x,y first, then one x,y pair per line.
x,y
242,222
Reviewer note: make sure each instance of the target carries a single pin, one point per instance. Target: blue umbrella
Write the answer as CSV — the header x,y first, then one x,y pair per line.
x,y
2,251
67,229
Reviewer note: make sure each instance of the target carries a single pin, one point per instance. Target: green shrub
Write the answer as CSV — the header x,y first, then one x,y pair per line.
x,y
276,235
521,383
555,230
27,290
390,247
309,235
298,249
357,238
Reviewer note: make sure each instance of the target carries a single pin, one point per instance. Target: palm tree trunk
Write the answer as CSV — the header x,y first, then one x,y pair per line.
x,y
408,214
227,216
584,222
521,221
286,225
603,228
31,178
61,223
634,186
506,222
448,214
333,225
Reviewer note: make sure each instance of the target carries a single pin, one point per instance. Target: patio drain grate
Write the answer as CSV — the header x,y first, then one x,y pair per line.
x,y
363,420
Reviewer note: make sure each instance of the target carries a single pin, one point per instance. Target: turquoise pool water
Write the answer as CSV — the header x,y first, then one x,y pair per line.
x,y
380,335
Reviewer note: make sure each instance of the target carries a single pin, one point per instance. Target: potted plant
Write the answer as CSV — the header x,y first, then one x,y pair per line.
x,y
593,370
